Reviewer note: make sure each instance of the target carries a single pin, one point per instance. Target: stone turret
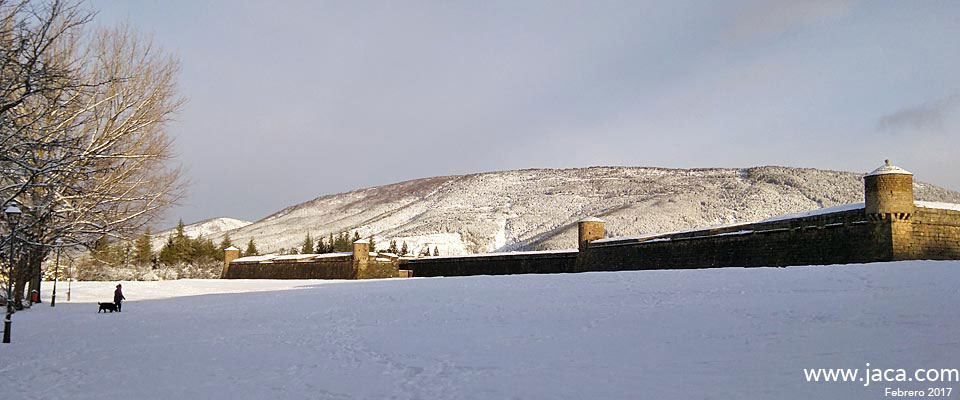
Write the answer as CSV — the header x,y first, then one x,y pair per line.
x,y
361,257
229,254
888,193
588,230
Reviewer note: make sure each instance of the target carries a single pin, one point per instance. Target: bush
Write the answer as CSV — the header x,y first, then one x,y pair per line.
x,y
91,271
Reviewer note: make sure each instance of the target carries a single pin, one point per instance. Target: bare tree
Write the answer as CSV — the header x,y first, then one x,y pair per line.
x,y
87,156
37,67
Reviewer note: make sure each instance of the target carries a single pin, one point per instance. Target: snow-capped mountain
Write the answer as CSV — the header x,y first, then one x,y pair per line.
x,y
537,209
206,228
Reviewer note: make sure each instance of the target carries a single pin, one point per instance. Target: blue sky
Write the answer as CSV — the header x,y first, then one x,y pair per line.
x,y
290,100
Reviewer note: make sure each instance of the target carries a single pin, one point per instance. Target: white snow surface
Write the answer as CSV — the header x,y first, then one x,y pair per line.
x,y
506,253
821,211
937,204
683,334
827,210
294,257
889,169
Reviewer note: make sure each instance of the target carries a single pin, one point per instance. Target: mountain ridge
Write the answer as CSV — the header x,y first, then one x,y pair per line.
x,y
536,208
203,228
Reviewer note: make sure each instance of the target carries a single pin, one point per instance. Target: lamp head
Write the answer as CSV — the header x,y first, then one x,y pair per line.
x,y
13,214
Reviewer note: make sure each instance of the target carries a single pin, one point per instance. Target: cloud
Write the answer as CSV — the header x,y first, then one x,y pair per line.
x,y
927,117
767,18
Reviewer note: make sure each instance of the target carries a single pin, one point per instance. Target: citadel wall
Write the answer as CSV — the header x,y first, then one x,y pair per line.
x,y
326,268
551,262
360,264
930,234
888,226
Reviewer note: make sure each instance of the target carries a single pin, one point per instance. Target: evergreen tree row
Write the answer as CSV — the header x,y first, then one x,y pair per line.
x,y
180,248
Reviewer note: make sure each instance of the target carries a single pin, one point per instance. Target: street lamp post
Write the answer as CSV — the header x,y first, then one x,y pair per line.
x,y
13,217
56,269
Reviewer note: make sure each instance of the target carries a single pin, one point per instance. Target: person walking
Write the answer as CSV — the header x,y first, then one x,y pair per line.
x,y
118,296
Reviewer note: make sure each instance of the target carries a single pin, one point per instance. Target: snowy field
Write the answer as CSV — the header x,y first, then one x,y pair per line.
x,y
699,334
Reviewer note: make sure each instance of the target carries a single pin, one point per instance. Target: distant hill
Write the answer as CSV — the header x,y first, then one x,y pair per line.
x,y
538,208
207,228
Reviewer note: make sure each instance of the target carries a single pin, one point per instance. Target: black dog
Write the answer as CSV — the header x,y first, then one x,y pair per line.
x,y
107,306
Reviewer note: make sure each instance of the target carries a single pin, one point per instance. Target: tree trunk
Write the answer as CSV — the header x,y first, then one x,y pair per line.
x,y
26,271
19,282
34,268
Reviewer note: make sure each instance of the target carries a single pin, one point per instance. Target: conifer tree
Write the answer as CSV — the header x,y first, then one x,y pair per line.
x,y
251,249
373,245
226,242
356,237
393,248
180,233
182,248
436,252
343,242
205,250
331,244
144,249
307,247
403,249
168,254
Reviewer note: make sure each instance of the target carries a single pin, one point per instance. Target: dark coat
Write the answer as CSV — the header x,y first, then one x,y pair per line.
x,y
118,296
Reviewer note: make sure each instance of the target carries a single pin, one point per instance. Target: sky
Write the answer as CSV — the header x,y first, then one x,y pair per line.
x,y
291,100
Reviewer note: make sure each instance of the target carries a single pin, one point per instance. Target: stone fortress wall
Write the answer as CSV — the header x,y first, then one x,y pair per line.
x,y
359,264
890,225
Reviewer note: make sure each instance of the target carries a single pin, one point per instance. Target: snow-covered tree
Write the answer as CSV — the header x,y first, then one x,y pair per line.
x,y
82,116
144,249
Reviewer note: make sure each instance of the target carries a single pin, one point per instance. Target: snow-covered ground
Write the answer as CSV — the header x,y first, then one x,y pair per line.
x,y
721,333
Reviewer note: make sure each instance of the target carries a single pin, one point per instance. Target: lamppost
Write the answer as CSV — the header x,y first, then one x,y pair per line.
x,y
13,217
56,269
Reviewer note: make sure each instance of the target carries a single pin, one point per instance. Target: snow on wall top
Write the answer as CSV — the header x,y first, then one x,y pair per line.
x,y
886,168
937,204
658,234
591,219
267,257
332,255
506,253
288,257
296,257
827,210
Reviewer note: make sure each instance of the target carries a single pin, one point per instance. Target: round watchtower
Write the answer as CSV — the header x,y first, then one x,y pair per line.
x,y
588,230
888,193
